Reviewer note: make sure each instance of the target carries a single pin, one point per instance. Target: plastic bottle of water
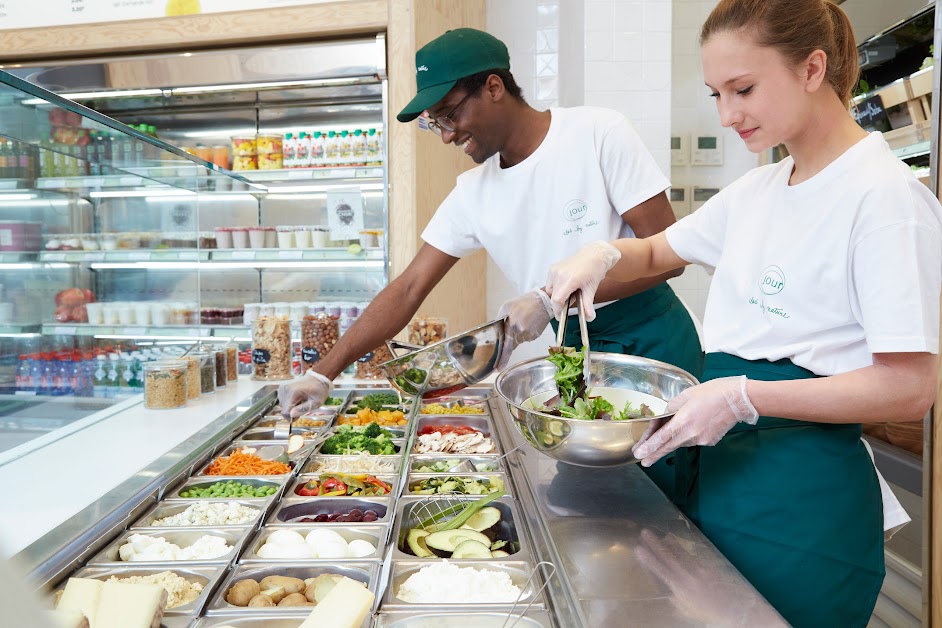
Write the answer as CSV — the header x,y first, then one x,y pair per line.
x,y
64,374
100,377
112,377
24,375
36,372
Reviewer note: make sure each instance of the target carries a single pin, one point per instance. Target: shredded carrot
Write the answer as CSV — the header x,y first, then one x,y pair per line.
x,y
240,463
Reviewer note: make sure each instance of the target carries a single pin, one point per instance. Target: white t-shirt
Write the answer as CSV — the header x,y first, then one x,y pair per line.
x,y
590,168
826,272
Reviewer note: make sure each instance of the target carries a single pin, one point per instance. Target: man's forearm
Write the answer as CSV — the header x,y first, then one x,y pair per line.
x,y
611,290
385,317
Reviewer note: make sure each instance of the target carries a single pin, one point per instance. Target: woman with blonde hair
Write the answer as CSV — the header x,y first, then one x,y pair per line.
x,y
823,314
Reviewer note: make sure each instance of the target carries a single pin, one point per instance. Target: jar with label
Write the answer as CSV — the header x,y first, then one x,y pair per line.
x,y
193,385
244,145
427,330
165,384
232,361
271,348
369,366
319,334
207,371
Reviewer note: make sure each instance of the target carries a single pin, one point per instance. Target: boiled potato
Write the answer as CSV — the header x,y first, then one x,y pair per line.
x,y
291,585
276,594
261,600
295,599
242,592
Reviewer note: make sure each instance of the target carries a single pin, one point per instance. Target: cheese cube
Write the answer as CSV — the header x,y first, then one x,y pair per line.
x,y
82,595
344,607
124,605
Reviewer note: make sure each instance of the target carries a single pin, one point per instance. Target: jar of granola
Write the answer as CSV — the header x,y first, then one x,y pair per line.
x,y
319,334
193,386
271,348
207,370
427,330
165,384
232,361
219,360
369,366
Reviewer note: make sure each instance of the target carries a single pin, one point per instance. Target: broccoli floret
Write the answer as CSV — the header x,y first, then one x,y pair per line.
x,y
373,430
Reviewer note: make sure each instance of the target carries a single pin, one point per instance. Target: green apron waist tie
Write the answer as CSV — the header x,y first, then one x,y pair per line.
x,y
794,505
652,324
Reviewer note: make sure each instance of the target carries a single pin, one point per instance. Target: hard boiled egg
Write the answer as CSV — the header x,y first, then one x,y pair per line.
x,y
285,537
358,548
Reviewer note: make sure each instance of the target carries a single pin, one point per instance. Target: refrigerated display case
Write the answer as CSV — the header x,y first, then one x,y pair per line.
x,y
130,225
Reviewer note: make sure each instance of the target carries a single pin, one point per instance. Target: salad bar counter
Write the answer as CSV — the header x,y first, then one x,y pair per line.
x,y
418,522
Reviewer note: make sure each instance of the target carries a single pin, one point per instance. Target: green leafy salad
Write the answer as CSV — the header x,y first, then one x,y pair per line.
x,y
372,440
574,400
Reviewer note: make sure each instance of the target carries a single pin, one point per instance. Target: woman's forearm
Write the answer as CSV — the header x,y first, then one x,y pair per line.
x,y
897,387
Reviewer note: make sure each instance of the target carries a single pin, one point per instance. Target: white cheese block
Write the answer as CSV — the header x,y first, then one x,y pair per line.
x,y
67,619
125,605
82,595
344,607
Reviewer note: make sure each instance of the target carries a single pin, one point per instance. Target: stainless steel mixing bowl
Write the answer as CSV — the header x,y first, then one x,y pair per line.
x,y
588,443
450,365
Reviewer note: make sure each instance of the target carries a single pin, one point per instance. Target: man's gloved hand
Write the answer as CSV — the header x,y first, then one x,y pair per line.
x,y
303,394
583,271
527,317
703,415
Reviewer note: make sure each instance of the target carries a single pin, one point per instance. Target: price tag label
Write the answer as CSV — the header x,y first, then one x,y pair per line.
x,y
309,355
366,358
134,331
260,356
54,257
243,255
25,393
300,174
95,257
53,183
138,256
290,254
64,331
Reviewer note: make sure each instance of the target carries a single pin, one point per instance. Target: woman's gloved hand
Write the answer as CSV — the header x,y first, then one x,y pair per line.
x,y
703,415
303,394
527,317
583,271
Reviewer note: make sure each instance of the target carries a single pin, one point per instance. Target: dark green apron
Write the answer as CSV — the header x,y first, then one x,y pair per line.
x,y
653,324
795,506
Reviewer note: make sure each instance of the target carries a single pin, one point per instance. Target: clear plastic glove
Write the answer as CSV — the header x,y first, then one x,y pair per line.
x,y
703,415
303,394
583,271
527,317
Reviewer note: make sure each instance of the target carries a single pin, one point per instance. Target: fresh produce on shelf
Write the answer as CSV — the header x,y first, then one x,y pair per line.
x,y
366,416
376,401
444,466
319,543
457,484
452,439
340,484
333,401
229,488
358,463
347,440
70,305
354,515
473,533
242,463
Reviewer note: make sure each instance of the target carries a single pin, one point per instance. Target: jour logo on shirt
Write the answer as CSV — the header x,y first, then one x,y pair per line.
x,y
772,280
575,209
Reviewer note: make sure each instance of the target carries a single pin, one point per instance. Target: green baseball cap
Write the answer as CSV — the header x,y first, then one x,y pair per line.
x,y
445,60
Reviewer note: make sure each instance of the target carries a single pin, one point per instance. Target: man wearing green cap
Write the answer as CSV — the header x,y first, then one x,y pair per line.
x,y
549,182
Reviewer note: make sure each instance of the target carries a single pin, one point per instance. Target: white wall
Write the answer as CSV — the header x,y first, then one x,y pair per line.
x,y
608,53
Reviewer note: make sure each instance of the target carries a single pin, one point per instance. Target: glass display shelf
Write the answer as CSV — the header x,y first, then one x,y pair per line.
x,y
166,332
307,174
913,150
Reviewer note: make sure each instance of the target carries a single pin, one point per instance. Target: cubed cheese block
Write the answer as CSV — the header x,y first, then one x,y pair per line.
x,y
82,595
124,605
344,607
67,619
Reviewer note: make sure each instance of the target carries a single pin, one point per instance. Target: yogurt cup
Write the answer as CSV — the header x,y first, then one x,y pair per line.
x,y
223,238
240,238
257,237
286,237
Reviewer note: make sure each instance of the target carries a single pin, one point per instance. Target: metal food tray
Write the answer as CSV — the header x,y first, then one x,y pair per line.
x,y
398,433
362,571
266,435
208,576
294,459
519,572
477,422
292,507
302,479
203,481
451,402
182,537
418,460
414,478
258,621
424,619
169,508
370,532
308,468
509,518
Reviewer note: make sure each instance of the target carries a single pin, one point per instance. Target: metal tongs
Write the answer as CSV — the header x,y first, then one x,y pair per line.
x,y
583,332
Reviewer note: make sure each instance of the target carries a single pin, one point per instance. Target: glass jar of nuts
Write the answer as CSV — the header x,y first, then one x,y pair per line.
x,y
271,348
427,330
165,384
319,334
369,366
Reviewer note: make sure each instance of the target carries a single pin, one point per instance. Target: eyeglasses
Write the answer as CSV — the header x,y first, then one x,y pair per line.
x,y
445,123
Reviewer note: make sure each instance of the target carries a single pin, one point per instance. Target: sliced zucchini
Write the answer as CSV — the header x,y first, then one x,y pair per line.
x,y
416,541
499,554
471,549
444,543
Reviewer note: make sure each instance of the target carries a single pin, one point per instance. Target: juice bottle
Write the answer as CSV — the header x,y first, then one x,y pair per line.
x,y
346,149
289,151
332,150
304,150
317,149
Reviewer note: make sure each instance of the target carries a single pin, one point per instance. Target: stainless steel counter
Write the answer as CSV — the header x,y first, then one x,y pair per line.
x,y
630,557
